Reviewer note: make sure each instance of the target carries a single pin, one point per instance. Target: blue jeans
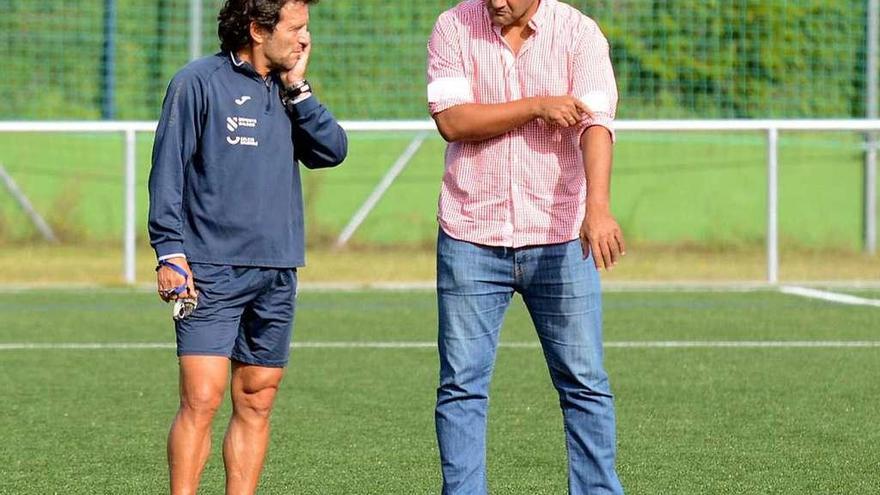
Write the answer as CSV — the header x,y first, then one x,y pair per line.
x,y
562,293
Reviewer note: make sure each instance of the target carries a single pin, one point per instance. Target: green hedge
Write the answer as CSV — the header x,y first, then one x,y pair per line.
x,y
674,58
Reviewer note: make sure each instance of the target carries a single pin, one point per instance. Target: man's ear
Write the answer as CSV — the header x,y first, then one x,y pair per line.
x,y
258,33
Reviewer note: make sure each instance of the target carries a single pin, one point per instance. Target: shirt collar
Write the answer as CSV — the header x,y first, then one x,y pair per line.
x,y
539,18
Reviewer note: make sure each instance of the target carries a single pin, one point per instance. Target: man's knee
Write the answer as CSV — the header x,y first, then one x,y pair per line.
x,y
201,402
579,385
255,403
253,390
202,384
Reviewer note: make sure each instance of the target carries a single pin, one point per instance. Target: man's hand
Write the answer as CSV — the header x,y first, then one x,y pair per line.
x,y
601,235
298,73
561,111
167,280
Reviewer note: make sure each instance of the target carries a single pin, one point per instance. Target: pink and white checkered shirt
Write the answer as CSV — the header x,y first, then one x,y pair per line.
x,y
525,187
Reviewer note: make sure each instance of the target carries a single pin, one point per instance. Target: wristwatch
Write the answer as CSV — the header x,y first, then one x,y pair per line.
x,y
291,93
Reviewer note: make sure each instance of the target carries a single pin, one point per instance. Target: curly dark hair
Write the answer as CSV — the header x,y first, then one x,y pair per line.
x,y
234,20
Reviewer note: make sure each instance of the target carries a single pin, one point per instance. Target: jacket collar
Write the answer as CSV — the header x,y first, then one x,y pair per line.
x,y
245,68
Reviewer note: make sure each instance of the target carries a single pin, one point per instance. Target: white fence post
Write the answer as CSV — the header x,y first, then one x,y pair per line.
x,y
130,171
772,205
871,196
872,68
195,29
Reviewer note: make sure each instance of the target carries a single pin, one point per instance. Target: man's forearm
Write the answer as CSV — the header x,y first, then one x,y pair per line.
x,y
165,220
477,122
319,140
597,151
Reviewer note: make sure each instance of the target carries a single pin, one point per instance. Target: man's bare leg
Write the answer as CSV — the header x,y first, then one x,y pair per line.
x,y
247,439
202,385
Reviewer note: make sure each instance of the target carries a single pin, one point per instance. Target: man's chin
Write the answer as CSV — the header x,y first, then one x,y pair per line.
x,y
284,66
501,21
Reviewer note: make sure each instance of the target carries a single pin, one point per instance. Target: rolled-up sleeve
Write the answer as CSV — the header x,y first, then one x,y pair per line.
x,y
448,83
593,79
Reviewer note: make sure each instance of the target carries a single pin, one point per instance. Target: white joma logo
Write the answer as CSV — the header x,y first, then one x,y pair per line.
x,y
242,140
241,101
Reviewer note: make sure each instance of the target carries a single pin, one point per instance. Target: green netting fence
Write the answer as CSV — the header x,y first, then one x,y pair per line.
x,y
674,58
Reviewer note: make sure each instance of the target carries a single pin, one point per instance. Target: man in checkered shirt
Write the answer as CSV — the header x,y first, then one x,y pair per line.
x,y
524,92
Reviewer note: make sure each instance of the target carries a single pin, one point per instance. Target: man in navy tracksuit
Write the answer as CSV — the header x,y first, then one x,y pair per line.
x,y
226,221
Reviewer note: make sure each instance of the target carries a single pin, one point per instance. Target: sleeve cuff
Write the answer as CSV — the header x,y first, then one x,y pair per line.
x,y
303,97
602,120
436,107
172,256
169,249
305,106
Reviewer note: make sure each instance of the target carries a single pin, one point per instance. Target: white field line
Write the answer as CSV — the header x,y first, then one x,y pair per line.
x,y
829,296
429,285
670,344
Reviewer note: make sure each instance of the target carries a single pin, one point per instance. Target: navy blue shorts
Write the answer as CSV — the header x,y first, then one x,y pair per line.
x,y
244,313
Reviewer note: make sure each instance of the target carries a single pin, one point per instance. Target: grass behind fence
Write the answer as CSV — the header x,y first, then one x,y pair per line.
x,y
673,189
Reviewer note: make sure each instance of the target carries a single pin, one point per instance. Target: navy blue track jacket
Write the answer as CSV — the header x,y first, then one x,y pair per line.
x,y
224,185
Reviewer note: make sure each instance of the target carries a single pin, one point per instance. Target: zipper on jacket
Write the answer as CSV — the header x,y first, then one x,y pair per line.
x,y
268,95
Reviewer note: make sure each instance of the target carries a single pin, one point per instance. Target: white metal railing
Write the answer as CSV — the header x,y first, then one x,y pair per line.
x,y
771,127
129,130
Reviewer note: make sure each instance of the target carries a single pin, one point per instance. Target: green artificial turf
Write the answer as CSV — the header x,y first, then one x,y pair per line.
x,y
691,420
